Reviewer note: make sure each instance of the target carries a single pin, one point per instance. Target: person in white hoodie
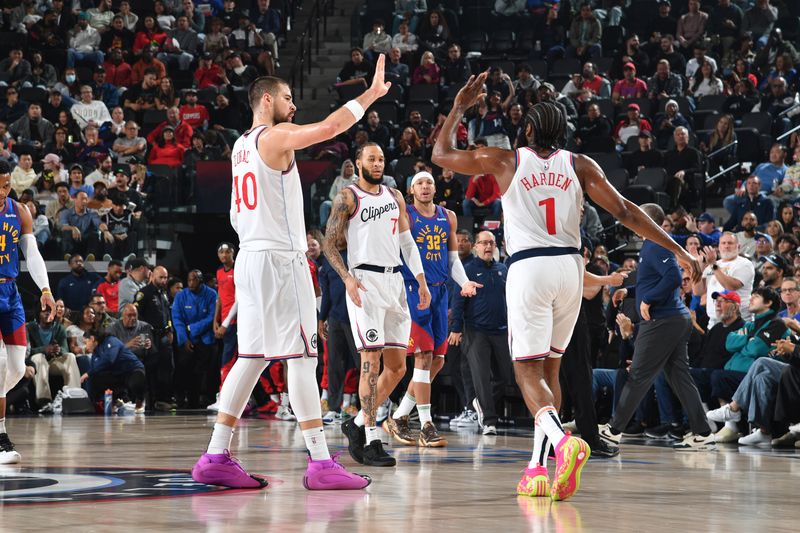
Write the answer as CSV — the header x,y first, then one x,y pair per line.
x,y
89,110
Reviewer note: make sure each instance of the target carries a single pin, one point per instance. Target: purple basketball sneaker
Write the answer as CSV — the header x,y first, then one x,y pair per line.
x,y
223,469
330,475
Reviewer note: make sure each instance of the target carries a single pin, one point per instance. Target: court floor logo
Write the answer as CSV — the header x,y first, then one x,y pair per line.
x,y
25,485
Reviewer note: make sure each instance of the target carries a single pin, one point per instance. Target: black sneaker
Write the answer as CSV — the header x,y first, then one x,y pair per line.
x,y
677,432
661,432
601,448
634,429
356,439
375,455
8,455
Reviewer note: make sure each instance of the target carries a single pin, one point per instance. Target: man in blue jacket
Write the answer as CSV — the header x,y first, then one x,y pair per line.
x,y
196,367
483,322
662,343
113,367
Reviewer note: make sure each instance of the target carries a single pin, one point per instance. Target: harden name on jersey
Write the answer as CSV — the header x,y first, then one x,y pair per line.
x,y
550,179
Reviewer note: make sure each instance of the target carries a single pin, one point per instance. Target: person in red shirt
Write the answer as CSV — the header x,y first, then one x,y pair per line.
x,y
109,288
593,83
208,74
193,113
482,191
148,35
182,130
629,86
118,72
225,311
166,151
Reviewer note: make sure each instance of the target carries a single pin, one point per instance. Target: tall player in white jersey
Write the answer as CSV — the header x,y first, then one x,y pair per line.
x,y
277,310
542,190
375,221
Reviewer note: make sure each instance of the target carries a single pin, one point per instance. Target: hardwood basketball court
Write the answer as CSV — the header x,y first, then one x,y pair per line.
x,y
131,473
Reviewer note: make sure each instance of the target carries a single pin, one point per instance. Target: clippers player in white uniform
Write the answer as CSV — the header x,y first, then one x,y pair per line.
x,y
274,292
374,219
542,190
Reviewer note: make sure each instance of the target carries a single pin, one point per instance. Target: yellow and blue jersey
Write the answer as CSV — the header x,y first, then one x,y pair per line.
x,y
431,234
10,232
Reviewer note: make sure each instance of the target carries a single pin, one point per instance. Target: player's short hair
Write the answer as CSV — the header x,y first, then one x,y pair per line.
x,y
549,125
361,148
5,168
264,84
655,212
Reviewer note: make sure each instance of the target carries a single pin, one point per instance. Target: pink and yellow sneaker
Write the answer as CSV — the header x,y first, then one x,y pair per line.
x,y
330,475
571,455
224,470
534,482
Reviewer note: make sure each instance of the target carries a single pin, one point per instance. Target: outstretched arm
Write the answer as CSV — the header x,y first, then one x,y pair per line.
x,y
495,161
629,214
287,136
35,263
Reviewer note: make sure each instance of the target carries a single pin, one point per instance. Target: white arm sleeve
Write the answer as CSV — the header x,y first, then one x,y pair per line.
x,y
457,269
231,315
34,261
410,253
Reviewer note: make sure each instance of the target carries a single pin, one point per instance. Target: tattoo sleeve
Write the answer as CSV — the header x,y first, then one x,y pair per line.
x,y
337,225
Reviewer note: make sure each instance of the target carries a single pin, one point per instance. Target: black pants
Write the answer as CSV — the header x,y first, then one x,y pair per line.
x,y
342,355
89,243
457,366
120,249
196,374
787,404
133,384
159,365
662,344
576,379
724,384
491,369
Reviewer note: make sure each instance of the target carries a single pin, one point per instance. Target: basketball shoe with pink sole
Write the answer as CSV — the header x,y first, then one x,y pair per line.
x,y
535,482
571,455
330,475
224,470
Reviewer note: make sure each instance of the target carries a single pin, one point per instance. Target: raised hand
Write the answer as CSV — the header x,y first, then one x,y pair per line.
x,y
472,92
380,87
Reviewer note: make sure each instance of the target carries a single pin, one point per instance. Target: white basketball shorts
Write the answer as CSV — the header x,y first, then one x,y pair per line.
x,y
277,316
543,295
382,321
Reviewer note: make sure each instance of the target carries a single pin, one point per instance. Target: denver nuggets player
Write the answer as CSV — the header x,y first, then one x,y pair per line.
x,y
432,227
16,232
542,188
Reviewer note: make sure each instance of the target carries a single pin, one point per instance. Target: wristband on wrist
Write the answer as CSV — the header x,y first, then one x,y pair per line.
x,y
356,109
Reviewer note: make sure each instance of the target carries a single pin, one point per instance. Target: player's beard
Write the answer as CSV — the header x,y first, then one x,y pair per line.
x,y
280,119
369,179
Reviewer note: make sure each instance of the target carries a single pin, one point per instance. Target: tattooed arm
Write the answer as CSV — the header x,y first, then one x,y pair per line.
x,y
343,206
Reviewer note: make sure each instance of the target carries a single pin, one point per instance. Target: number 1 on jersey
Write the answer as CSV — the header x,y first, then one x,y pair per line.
x,y
549,214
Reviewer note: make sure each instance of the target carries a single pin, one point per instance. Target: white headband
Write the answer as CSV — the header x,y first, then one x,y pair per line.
x,y
421,175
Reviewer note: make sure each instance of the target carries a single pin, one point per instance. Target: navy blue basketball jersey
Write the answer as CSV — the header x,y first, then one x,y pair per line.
x,y
10,232
431,235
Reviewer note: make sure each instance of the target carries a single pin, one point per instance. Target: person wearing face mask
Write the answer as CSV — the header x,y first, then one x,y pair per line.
x,y
84,43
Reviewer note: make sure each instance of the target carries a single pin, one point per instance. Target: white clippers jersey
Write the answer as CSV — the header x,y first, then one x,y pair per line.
x,y
542,206
266,204
372,235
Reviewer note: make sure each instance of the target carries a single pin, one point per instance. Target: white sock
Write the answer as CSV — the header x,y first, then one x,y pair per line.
x,y
324,394
2,425
424,410
359,419
406,406
733,426
547,419
347,399
285,399
220,439
372,434
541,447
316,444
275,398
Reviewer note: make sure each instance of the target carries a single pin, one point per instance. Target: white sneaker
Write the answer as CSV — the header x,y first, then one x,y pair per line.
x,y
724,414
331,417
214,406
470,420
477,405
127,408
8,455
285,413
455,421
570,426
794,428
489,430
605,433
726,435
382,412
756,438
139,410
692,442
